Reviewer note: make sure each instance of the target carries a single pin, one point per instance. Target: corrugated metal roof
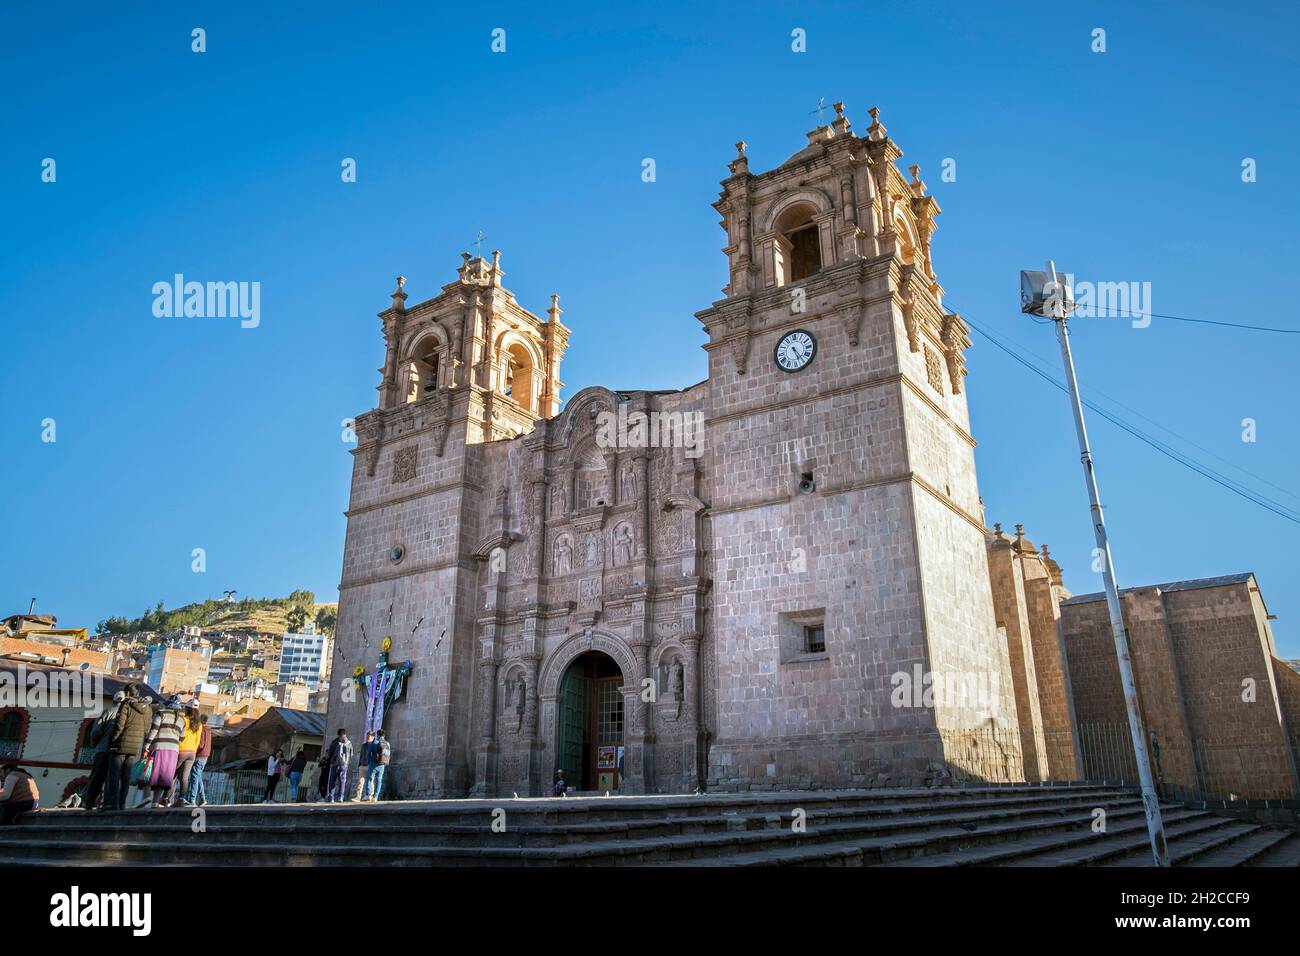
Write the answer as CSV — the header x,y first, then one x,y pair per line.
x,y
1188,585
302,721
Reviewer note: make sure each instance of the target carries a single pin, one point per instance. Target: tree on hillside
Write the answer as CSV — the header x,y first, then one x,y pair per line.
x,y
303,599
327,618
297,618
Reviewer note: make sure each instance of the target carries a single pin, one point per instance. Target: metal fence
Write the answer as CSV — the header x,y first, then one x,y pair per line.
x,y
250,786
1217,769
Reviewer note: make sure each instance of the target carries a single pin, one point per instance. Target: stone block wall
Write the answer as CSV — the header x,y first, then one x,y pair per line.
x,y
1207,683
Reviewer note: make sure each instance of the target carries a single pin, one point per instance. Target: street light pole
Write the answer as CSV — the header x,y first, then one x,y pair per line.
x,y
1056,309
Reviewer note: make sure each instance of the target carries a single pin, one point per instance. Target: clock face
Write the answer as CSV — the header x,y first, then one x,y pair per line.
x,y
795,350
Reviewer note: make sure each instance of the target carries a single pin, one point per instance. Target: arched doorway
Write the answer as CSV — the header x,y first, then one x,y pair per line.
x,y
589,709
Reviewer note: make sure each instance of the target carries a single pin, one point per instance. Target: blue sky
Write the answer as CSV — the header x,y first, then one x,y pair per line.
x,y
174,434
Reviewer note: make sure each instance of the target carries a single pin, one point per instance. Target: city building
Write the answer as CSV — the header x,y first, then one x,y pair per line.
x,y
305,657
45,728
174,669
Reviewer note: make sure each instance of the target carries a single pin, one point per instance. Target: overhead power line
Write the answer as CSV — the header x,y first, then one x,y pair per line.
x,y
1092,390
1205,471
1182,318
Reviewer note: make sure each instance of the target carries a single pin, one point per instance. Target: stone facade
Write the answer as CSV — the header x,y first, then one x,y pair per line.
x,y
1220,706
767,585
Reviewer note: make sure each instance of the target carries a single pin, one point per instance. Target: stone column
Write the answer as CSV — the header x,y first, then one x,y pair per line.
x,y
693,705
611,477
485,771
489,356
642,734
386,387
641,462
537,528
538,774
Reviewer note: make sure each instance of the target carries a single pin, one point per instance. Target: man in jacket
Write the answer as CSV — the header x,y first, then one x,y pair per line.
x,y
340,757
380,752
97,739
363,763
125,742
295,773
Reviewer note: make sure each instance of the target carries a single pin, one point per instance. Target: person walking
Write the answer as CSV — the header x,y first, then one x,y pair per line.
x,y
163,744
295,773
340,757
125,742
363,763
380,753
98,737
189,747
197,796
323,780
274,770
18,793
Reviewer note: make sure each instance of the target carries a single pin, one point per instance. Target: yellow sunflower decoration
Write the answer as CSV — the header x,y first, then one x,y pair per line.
x,y
387,643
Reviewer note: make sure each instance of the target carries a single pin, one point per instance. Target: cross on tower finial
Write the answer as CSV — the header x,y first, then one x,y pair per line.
x,y
821,108
478,245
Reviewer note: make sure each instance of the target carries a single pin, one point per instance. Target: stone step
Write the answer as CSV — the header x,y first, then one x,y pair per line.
x,y
717,846
1024,826
1130,841
1012,850
1242,851
852,853
1190,848
1284,853
316,830
549,810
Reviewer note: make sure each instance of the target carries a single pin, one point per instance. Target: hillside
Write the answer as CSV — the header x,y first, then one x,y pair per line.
x,y
260,615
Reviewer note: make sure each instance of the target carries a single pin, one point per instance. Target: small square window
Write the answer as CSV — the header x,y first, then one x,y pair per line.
x,y
814,640
802,635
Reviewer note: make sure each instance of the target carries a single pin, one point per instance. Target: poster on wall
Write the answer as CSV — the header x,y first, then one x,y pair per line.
x,y
606,758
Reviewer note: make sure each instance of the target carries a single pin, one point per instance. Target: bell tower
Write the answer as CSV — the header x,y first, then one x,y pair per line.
x,y
475,340
849,542
463,371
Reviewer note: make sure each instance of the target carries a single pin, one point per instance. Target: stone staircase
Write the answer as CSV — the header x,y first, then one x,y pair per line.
x,y
996,826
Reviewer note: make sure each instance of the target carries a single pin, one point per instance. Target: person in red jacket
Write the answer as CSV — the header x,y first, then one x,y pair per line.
x,y
196,796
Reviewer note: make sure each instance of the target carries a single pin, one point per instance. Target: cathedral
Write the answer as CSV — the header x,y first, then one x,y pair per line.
x,y
742,584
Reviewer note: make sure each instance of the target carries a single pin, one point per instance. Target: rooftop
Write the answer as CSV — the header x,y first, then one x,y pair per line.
x,y
1190,585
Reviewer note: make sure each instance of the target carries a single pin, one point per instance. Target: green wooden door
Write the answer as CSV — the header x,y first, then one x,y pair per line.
x,y
572,746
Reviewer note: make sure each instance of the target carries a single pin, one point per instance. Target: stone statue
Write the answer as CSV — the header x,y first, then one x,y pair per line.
x,y
557,500
563,556
623,542
627,490
593,550
677,679
521,696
